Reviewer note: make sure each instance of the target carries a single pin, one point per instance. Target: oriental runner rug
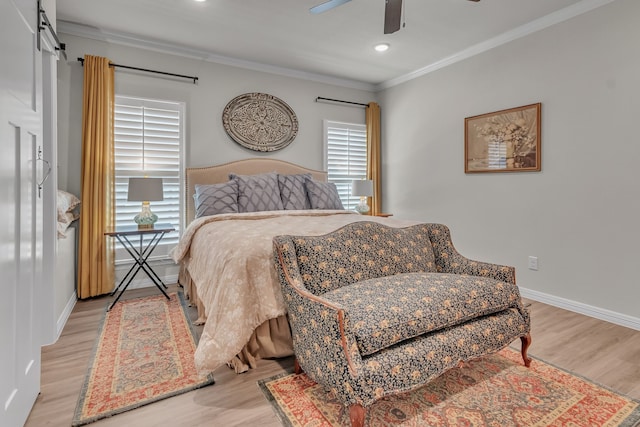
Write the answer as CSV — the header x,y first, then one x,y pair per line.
x,y
144,353
495,390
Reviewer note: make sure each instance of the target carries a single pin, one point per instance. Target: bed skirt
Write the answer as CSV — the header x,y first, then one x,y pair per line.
x,y
271,339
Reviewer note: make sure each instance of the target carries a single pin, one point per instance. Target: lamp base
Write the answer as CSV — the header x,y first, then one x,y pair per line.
x,y
146,218
362,208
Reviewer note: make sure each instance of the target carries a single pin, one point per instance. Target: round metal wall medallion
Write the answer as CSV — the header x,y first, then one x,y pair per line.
x,y
260,122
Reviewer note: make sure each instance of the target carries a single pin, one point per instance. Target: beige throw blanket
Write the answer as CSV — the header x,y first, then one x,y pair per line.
x,y
230,260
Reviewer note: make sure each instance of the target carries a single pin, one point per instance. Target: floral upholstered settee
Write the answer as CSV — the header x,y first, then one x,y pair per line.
x,y
376,310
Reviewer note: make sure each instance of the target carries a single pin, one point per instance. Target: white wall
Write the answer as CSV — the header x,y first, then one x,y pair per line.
x,y
206,141
580,214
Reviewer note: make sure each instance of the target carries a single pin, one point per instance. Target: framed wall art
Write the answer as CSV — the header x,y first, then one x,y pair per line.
x,y
260,122
503,141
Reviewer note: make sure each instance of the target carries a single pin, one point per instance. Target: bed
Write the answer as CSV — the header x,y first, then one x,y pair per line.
x,y
226,263
65,260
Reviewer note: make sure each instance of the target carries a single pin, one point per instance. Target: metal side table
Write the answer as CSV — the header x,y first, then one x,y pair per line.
x,y
139,253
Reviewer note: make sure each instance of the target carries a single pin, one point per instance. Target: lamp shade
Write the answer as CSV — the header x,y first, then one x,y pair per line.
x,y
145,190
362,187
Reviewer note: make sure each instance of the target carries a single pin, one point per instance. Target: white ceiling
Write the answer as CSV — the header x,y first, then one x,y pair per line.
x,y
283,35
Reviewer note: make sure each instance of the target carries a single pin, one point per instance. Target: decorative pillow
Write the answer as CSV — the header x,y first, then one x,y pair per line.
x,y
66,203
323,195
216,198
257,193
293,191
64,222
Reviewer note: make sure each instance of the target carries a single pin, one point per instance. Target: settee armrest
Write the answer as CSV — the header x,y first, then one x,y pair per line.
x,y
448,260
323,344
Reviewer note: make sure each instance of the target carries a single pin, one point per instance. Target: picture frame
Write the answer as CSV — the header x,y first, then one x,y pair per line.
x,y
503,141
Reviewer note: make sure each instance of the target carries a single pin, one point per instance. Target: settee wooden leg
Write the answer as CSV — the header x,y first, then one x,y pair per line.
x,y
296,366
526,342
357,415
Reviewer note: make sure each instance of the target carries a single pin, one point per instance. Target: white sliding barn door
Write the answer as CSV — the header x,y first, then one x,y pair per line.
x,y
20,210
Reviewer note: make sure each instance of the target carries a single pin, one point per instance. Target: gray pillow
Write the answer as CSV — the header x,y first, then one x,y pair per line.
x,y
293,191
257,193
216,198
323,195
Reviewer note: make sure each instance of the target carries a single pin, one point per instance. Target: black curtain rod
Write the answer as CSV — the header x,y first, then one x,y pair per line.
x,y
111,64
338,100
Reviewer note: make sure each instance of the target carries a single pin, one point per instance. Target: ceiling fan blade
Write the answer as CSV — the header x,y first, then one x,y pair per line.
x,y
323,7
392,16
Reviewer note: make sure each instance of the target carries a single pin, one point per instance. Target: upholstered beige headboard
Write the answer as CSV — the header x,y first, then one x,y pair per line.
x,y
220,173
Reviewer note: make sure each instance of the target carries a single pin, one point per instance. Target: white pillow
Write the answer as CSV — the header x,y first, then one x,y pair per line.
x,y
67,203
67,212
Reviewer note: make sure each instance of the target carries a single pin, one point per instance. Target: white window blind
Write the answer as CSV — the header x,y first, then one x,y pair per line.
x,y
346,157
148,143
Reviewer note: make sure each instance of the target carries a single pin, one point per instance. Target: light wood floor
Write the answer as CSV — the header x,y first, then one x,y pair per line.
x,y
603,352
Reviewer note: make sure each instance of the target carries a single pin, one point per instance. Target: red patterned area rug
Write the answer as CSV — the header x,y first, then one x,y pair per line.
x,y
144,353
496,391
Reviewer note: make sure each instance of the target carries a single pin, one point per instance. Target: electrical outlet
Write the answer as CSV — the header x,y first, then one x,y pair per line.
x,y
533,263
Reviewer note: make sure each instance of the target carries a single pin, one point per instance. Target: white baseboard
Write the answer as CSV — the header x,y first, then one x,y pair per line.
x,y
588,310
135,284
64,316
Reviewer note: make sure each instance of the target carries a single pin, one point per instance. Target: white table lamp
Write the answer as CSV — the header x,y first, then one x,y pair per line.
x,y
362,188
145,190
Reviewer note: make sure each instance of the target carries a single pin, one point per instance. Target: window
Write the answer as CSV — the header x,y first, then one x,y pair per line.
x,y
346,157
148,143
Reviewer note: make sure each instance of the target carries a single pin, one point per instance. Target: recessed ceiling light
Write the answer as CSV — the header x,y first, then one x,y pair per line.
x,y
200,1
381,47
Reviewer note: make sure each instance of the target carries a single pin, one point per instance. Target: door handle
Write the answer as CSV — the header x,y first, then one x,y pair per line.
x,y
46,175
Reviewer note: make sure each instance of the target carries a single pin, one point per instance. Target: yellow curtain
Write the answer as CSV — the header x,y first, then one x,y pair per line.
x,y
95,251
373,155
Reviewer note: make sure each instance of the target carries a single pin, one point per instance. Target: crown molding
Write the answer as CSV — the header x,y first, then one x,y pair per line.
x,y
130,40
125,39
522,31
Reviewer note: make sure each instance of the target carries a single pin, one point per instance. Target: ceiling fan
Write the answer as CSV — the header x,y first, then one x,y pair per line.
x,y
392,12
